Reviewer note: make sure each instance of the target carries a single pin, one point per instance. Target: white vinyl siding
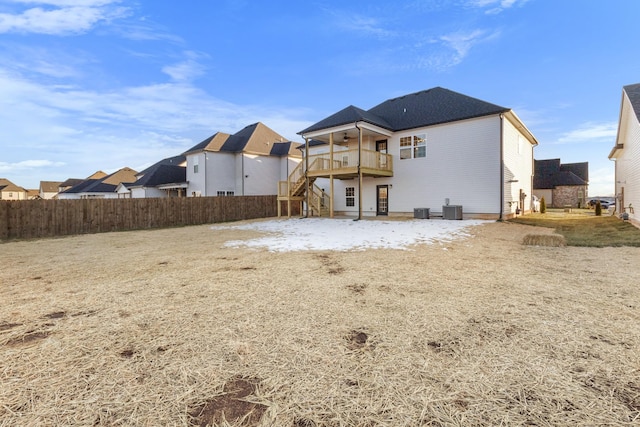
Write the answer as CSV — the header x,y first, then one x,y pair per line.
x,y
462,165
628,160
518,168
261,175
147,192
196,180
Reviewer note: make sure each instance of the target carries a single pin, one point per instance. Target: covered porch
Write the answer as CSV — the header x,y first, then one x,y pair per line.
x,y
354,150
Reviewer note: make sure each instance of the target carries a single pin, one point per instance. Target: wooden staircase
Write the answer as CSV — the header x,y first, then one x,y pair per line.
x,y
294,189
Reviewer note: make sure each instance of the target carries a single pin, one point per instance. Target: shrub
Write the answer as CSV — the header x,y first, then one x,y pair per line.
x,y
543,205
598,208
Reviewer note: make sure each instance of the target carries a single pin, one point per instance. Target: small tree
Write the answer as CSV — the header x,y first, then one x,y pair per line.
x,y
543,205
598,208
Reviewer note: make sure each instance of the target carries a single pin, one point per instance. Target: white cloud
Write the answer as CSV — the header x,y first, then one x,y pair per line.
x,y
67,17
360,24
67,3
187,70
496,6
135,126
601,180
28,165
591,132
462,42
366,25
457,46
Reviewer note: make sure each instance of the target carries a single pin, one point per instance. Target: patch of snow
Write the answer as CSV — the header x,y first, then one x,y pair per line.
x,y
319,234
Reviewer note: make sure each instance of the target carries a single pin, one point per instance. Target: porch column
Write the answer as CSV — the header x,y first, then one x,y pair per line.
x,y
306,173
331,175
359,171
289,198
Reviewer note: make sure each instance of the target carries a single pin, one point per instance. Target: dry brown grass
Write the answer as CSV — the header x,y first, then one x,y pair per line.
x,y
164,327
552,240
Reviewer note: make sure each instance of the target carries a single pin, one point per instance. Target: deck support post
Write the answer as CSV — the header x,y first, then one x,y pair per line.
x,y
331,175
359,171
306,174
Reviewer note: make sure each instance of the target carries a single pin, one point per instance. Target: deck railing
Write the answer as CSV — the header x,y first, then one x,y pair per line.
x,y
347,159
343,162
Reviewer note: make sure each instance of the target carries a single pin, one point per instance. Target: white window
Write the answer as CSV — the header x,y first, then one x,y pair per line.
x,y
413,147
220,193
351,196
195,164
230,193
419,146
405,147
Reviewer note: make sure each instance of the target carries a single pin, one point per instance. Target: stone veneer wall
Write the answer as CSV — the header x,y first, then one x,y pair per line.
x,y
573,196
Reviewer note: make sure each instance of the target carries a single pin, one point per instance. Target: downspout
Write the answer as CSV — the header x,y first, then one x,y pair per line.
x,y
359,171
306,174
242,154
205,174
500,218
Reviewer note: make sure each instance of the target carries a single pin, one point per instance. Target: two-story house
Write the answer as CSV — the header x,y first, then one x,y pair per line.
x,y
247,163
626,154
435,149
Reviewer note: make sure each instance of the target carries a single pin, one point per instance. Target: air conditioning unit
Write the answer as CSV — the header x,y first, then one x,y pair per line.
x,y
421,213
452,211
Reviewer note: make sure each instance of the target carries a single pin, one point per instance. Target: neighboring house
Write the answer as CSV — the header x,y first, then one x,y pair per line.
x,y
167,178
33,194
100,188
10,191
247,163
561,185
626,154
48,189
419,151
65,185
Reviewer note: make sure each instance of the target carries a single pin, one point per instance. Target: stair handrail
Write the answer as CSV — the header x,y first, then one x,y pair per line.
x,y
319,199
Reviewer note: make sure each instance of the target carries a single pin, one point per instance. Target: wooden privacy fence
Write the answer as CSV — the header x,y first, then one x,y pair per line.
x,y
26,219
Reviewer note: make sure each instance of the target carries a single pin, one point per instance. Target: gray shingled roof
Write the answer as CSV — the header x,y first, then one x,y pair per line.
x,y
161,174
425,108
82,186
551,173
101,185
71,182
280,148
171,161
255,138
350,114
201,145
236,142
633,92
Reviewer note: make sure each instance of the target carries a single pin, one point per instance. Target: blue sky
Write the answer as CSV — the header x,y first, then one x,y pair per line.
x,y
90,85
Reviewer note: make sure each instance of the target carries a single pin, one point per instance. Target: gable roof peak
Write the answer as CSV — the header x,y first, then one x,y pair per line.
x,y
256,138
431,107
349,114
633,93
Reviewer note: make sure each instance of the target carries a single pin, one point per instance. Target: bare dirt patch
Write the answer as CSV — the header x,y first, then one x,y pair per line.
x,y
481,331
28,338
231,407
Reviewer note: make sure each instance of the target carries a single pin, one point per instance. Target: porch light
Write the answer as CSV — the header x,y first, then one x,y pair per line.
x,y
345,138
